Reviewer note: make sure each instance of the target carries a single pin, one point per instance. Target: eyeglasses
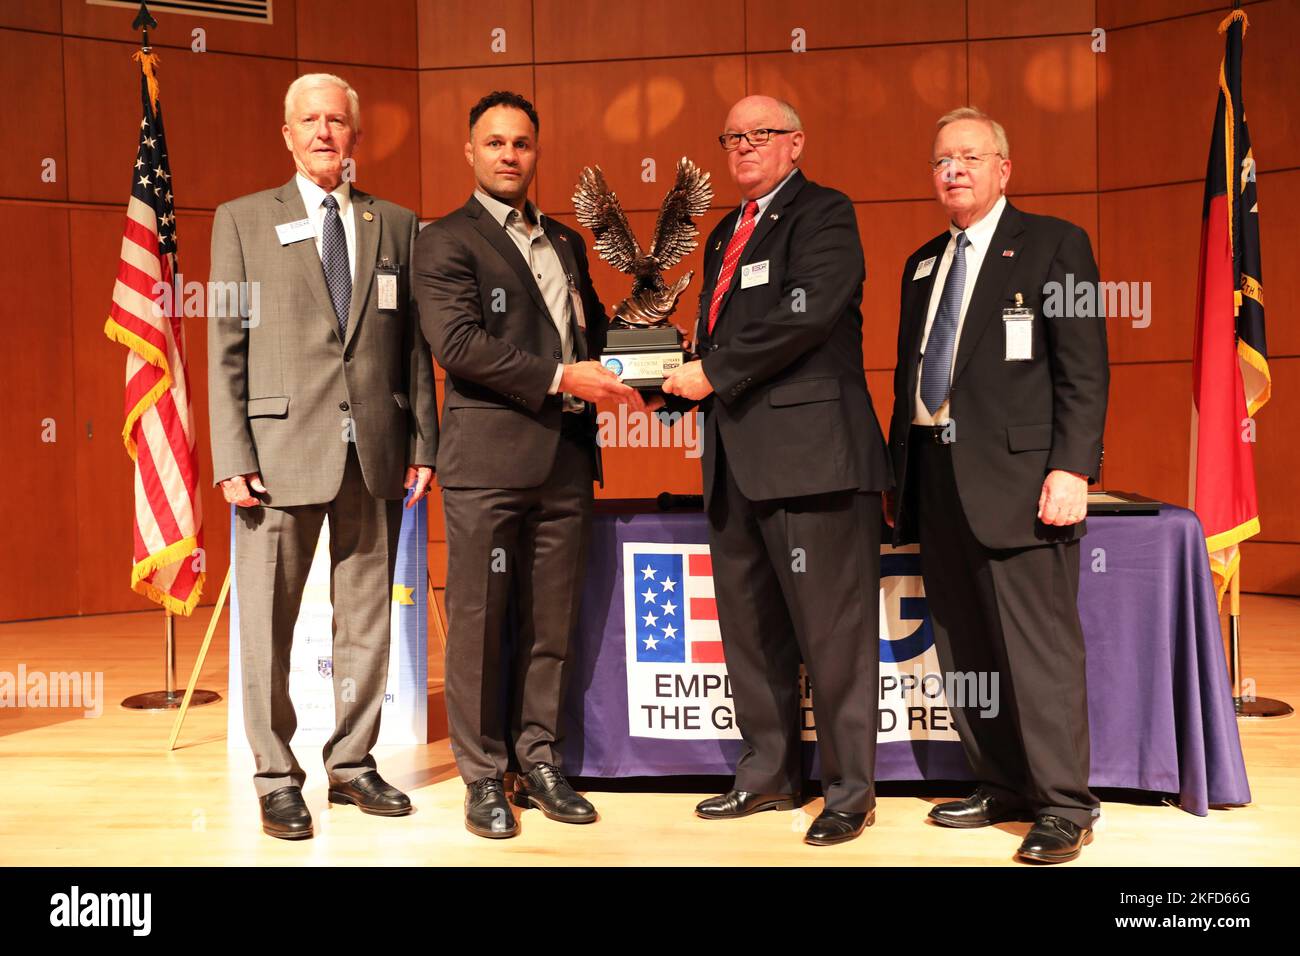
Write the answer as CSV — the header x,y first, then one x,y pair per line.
x,y
755,137
967,161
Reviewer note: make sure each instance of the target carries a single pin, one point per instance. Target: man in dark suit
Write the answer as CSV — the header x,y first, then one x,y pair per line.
x,y
509,309
794,464
322,406
999,406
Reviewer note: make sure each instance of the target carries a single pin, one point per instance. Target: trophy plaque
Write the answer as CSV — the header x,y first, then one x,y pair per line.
x,y
642,346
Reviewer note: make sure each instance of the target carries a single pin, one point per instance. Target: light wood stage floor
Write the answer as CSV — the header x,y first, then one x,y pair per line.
x,y
104,791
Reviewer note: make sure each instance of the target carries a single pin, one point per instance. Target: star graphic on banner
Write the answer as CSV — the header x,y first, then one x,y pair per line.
x,y
150,142
144,180
402,594
650,620
669,584
651,643
648,573
139,161
649,595
668,607
670,632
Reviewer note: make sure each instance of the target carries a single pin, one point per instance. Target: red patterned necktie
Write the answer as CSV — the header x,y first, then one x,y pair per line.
x,y
734,248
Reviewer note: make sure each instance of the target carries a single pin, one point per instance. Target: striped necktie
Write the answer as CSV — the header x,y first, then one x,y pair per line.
x,y
734,248
936,369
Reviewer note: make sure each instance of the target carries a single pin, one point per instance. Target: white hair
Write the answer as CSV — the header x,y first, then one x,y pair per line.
x,y
309,81
970,113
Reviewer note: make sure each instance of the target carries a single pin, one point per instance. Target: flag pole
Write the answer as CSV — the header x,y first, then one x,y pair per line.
x,y
190,692
1246,705
166,699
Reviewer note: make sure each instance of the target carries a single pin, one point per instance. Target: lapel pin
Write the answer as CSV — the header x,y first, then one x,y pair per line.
x,y
717,245
368,216
564,238
1008,253
774,216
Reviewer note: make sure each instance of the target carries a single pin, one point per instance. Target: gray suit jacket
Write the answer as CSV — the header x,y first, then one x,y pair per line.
x,y
286,393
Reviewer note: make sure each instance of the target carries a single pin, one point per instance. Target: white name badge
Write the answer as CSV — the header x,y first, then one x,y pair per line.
x,y
386,287
295,231
756,273
923,269
1018,328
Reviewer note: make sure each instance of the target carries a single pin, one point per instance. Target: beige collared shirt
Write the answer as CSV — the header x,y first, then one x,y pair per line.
x,y
980,235
547,270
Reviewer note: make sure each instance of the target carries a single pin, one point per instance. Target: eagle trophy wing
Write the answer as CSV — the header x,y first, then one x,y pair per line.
x,y
599,210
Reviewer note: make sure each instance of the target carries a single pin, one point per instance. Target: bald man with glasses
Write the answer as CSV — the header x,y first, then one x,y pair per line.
x,y
794,464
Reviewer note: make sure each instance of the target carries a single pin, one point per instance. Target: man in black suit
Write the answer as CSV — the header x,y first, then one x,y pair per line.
x,y
794,463
999,406
508,307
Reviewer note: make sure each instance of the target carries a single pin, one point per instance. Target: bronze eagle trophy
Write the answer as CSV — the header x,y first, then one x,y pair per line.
x,y
652,300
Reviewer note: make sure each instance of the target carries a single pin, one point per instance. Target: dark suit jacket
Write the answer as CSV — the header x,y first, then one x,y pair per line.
x,y
1014,421
790,400
487,323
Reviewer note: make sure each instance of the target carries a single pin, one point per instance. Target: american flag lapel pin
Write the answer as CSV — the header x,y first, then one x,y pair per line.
x,y
1008,253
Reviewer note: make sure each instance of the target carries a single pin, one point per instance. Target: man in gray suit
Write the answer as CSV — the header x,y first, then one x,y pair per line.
x,y
508,306
322,406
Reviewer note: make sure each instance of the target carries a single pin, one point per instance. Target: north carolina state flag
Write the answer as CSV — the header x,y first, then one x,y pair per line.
x,y
1230,377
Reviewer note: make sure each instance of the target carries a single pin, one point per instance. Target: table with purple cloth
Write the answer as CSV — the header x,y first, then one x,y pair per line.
x,y
1159,700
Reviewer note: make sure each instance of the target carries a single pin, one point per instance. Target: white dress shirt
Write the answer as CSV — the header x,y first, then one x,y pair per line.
x,y
312,197
980,235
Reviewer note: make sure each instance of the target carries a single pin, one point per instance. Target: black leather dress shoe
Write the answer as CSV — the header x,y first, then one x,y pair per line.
x,y
285,814
1054,839
545,788
834,826
487,813
741,803
982,808
372,794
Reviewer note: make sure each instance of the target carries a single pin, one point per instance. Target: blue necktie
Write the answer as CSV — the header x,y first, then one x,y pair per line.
x,y
334,260
936,370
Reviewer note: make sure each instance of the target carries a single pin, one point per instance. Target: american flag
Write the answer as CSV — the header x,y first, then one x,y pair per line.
x,y
159,429
670,590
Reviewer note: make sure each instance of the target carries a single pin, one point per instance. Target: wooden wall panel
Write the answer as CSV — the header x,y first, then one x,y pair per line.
x,y
1269,567
617,114
211,161
1078,208
1044,93
32,77
445,100
39,565
1271,77
1154,235
1279,212
769,23
388,153
1277,454
175,30
890,232
567,30
31,15
1148,429
460,32
381,32
869,113
1115,13
104,486
1158,84
1014,18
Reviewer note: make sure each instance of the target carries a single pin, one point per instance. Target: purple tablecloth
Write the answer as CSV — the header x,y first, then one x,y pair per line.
x,y
1159,700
